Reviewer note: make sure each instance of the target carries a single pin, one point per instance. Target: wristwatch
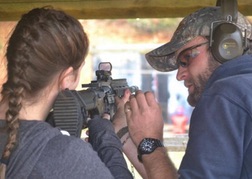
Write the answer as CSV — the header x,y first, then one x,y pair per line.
x,y
147,146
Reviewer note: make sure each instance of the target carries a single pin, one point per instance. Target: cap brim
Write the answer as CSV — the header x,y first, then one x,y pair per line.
x,y
163,58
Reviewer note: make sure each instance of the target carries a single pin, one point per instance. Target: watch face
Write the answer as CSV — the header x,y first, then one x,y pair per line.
x,y
147,146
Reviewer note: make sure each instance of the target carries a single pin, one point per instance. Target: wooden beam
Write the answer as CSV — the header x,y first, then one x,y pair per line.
x,y
113,9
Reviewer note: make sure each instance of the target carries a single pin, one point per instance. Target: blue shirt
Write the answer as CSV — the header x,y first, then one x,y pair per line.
x,y
220,134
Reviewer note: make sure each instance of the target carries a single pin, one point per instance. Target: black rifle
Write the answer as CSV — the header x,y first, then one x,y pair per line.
x,y
72,109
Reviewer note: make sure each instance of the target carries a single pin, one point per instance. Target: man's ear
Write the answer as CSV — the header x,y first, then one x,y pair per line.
x,y
67,79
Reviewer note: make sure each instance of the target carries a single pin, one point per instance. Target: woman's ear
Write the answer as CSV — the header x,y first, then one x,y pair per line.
x,y
68,78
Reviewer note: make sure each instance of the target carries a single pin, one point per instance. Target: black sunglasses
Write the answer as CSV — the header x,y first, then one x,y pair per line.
x,y
188,54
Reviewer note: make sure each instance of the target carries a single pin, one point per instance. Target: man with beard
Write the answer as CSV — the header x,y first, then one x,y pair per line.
x,y
220,134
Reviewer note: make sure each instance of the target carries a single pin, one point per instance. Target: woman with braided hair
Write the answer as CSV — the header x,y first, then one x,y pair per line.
x,y
45,55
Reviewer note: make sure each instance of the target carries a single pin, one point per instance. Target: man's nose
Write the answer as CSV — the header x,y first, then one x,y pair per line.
x,y
181,73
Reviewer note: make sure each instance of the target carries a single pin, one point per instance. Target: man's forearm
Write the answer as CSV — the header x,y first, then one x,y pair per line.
x,y
158,165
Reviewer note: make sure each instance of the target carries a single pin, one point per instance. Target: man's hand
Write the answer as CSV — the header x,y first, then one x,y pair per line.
x,y
144,117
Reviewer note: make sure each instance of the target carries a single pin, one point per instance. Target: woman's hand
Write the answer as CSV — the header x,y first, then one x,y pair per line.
x,y
119,119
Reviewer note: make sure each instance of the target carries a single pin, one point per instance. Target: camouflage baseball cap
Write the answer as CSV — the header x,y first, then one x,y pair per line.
x,y
196,24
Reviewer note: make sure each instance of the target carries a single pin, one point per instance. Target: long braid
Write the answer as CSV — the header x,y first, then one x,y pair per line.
x,y
14,88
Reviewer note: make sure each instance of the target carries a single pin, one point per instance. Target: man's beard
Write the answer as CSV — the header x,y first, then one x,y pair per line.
x,y
201,81
199,87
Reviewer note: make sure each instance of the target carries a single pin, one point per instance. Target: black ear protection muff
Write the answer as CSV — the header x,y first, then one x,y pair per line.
x,y
226,39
